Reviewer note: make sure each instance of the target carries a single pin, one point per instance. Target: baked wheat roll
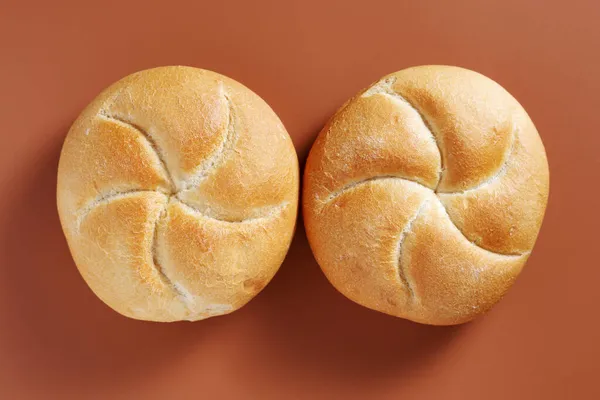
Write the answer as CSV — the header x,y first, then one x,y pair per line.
x,y
424,194
177,193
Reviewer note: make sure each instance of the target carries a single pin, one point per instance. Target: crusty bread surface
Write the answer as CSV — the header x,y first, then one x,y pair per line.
x,y
177,193
424,194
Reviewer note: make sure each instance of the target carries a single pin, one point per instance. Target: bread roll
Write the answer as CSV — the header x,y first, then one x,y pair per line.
x,y
177,193
424,194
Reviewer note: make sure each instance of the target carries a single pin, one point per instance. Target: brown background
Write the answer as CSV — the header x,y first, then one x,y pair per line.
x,y
299,338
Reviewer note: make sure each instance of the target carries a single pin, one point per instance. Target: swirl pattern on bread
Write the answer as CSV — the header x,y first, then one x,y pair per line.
x,y
177,192
425,193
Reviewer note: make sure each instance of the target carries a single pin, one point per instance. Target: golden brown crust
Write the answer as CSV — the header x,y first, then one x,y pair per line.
x,y
177,192
424,194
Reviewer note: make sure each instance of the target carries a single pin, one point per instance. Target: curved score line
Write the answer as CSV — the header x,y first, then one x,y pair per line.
x,y
332,196
209,165
402,274
384,87
498,174
108,198
217,158
270,212
355,184
149,139
182,294
165,279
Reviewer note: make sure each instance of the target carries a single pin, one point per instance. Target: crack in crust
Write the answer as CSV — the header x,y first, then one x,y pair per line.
x,y
212,164
483,248
355,184
218,157
149,139
402,274
333,195
265,212
106,198
384,87
153,250
208,167
182,293
501,171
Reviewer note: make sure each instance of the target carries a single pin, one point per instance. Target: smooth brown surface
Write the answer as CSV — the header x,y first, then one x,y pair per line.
x,y
299,338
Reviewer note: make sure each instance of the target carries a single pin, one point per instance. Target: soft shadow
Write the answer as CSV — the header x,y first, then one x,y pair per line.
x,y
314,330
303,146
54,329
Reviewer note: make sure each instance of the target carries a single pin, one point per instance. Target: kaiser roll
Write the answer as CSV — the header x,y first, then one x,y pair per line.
x,y
424,194
177,193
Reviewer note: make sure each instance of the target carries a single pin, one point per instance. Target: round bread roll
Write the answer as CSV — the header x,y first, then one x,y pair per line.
x,y
424,194
177,193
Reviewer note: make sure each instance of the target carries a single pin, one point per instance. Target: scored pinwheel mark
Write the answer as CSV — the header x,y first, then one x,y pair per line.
x,y
384,88
175,187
